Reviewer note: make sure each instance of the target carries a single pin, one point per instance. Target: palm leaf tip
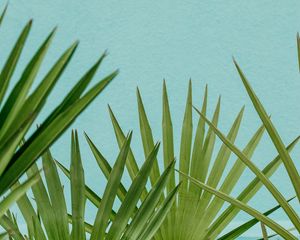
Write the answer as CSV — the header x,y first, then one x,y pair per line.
x,y
273,133
3,13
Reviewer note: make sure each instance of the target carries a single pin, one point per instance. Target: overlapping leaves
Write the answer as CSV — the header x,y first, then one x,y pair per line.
x,y
262,177
198,214
20,107
47,217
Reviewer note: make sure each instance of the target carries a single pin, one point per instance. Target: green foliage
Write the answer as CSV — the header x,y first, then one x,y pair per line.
x,y
261,176
198,214
47,218
246,226
157,212
20,107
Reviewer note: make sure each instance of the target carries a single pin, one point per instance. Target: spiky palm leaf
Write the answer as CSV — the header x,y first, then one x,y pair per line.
x,y
196,214
20,107
262,176
47,217
238,231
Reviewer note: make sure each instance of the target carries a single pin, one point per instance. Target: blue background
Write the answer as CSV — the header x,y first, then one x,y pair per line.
x,y
176,40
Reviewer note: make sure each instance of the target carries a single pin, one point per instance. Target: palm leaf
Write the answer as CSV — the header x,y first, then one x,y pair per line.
x,y
38,142
16,194
105,167
188,218
110,192
3,14
56,195
44,205
22,105
77,191
285,156
11,228
147,138
12,60
261,217
250,190
50,220
233,234
17,97
159,217
148,206
30,216
269,185
89,193
131,164
132,197
168,155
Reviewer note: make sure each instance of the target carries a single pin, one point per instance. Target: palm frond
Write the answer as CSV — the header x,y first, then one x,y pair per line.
x,y
274,135
259,216
20,107
194,211
238,231
47,218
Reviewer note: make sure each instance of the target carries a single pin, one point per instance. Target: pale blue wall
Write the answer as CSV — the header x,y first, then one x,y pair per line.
x,y
175,40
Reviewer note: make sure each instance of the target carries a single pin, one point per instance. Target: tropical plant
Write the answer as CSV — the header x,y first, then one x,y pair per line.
x,y
196,214
20,107
47,217
261,176
238,231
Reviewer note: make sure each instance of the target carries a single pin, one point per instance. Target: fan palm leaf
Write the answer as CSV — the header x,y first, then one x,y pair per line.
x,y
261,176
20,107
195,213
47,217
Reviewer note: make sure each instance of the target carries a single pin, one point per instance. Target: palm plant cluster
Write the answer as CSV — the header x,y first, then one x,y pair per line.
x,y
51,219
197,214
19,109
188,207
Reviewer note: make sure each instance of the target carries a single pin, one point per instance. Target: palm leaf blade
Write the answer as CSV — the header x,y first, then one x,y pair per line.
x,y
77,191
15,194
269,185
104,210
269,222
132,197
286,158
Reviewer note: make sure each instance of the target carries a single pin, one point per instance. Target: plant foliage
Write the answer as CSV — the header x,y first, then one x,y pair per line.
x,y
197,214
47,217
20,107
262,177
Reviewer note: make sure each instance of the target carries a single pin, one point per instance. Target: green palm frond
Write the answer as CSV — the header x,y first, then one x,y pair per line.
x,y
197,214
238,231
20,107
262,177
47,217
3,236
259,216
274,135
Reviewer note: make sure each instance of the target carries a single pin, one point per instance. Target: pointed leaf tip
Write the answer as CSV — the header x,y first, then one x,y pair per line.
x,y
129,135
106,53
233,59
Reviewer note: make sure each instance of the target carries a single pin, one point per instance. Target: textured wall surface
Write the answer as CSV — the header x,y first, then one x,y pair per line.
x,y
175,40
